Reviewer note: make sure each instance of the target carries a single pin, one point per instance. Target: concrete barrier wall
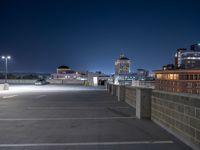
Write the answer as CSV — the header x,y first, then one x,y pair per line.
x,y
66,82
130,96
114,93
139,98
179,114
24,81
4,87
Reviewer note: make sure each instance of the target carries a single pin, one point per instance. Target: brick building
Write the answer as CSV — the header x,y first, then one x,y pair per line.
x,y
184,81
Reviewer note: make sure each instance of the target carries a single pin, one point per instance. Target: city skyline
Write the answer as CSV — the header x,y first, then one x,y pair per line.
x,y
91,35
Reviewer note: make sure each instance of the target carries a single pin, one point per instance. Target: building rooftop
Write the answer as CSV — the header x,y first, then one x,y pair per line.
x,y
178,71
122,57
63,67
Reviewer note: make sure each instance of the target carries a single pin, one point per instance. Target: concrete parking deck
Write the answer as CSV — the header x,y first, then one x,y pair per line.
x,y
74,117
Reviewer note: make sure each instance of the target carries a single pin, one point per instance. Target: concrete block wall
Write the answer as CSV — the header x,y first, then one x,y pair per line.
x,y
121,96
114,91
179,114
130,96
143,103
139,98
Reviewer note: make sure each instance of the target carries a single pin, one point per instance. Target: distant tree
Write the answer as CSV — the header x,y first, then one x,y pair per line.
x,y
30,76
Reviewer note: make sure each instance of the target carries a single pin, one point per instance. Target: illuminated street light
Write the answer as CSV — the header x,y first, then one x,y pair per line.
x,y
6,58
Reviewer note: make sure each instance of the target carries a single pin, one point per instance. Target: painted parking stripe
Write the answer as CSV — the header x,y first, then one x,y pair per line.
x,y
10,96
50,119
86,143
56,108
40,96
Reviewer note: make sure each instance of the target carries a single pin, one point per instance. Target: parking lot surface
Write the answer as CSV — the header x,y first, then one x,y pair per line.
x,y
53,117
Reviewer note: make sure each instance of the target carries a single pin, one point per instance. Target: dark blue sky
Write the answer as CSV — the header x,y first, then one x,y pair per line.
x,y
90,35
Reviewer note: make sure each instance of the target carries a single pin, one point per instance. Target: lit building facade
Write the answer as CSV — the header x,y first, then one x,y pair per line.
x,y
64,72
184,81
122,65
178,57
188,59
123,73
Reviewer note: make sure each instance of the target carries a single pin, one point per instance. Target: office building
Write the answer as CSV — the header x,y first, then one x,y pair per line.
x,y
188,59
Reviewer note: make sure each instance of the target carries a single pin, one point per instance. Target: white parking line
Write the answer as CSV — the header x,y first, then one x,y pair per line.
x,y
60,119
56,108
40,96
87,143
10,96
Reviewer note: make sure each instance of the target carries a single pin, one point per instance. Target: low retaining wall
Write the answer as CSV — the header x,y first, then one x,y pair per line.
x,y
66,82
130,96
4,86
179,114
139,98
24,81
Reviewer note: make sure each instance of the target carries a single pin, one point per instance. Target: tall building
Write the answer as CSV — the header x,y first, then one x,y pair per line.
x,y
123,73
190,60
178,57
122,65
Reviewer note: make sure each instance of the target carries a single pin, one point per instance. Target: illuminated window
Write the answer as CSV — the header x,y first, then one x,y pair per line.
x,y
159,76
171,76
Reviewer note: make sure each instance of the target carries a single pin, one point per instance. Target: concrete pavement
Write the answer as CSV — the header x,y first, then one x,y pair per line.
x,y
75,118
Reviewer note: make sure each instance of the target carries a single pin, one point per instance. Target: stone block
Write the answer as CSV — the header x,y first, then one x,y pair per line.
x,y
198,113
195,123
180,108
198,135
189,111
190,131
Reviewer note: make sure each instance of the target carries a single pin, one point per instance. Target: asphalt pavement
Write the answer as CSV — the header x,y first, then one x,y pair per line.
x,y
53,117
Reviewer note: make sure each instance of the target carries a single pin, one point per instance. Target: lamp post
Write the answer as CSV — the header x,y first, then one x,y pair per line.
x,y
6,58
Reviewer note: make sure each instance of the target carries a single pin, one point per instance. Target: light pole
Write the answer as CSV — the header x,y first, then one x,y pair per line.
x,y
6,58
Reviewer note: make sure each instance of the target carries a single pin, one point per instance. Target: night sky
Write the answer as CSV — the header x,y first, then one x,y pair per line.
x,y
90,35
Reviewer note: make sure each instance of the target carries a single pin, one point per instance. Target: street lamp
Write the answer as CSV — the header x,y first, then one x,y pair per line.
x,y
6,58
